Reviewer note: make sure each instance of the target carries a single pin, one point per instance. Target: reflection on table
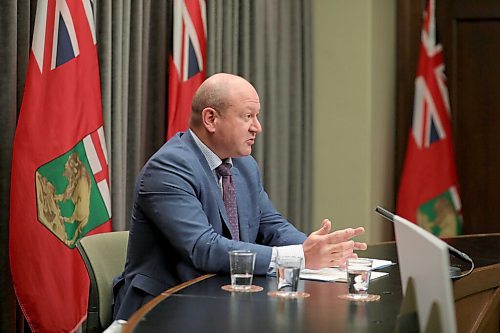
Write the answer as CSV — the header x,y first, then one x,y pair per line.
x,y
201,305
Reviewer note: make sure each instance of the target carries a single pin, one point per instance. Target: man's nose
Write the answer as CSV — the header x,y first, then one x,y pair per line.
x,y
256,127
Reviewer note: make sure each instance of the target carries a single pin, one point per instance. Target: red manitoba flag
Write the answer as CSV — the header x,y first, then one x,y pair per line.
x,y
60,187
187,63
428,194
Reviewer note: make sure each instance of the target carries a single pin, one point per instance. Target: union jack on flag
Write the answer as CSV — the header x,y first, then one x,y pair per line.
x,y
431,110
64,43
428,193
187,63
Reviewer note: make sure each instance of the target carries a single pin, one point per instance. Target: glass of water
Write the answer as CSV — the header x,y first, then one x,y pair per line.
x,y
358,278
241,265
288,275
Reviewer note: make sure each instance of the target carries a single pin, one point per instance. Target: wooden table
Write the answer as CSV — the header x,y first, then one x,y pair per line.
x,y
200,305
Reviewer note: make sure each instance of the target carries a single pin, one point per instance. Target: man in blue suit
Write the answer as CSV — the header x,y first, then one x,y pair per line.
x,y
180,228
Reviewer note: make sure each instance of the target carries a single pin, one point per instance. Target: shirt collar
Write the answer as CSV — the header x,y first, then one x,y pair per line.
x,y
212,159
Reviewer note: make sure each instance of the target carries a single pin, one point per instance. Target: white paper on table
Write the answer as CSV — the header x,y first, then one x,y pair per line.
x,y
336,274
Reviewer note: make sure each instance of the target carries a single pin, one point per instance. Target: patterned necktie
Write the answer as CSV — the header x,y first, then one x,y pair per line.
x,y
229,198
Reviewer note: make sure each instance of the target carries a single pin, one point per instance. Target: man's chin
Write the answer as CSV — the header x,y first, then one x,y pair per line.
x,y
245,152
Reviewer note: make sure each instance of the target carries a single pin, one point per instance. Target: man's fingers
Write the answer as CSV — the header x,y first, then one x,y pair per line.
x,y
325,249
360,246
355,232
339,250
338,253
326,225
340,259
343,235
343,246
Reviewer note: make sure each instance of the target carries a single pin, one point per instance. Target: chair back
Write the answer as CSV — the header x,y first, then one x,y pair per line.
x,y
104,256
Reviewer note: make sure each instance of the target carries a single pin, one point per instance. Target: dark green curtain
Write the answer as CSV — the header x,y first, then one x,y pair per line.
x,y
16,21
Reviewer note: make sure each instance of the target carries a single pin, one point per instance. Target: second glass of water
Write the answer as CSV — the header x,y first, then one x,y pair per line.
x,y
358,277
288,275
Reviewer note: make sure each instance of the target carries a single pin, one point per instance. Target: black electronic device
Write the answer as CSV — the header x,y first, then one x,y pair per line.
x,y
455,272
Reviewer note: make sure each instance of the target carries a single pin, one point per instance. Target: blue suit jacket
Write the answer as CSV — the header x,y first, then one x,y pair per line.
x,y
179,226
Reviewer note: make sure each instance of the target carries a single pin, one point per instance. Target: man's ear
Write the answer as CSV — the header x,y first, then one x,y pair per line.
x,y
209,118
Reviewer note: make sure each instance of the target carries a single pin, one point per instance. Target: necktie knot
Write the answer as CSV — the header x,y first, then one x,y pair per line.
x,y
224,169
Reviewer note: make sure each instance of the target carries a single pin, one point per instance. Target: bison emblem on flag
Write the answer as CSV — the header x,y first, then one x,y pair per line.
x,y
72,196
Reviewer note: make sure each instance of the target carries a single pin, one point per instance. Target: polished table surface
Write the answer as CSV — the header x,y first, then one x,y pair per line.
x,y
201,305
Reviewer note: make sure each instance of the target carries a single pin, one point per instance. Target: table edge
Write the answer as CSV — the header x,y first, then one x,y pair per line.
x,y
139,314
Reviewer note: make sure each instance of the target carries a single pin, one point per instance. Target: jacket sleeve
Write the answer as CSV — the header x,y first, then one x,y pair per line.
x,y
274,229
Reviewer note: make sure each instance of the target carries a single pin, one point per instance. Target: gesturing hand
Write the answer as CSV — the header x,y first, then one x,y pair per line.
x,y
325,249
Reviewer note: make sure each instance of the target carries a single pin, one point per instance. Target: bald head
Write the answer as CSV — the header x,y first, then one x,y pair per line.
x,y
219,92
225,115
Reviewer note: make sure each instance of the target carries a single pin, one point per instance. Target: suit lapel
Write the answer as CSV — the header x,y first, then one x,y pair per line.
x,y
242,204
214,186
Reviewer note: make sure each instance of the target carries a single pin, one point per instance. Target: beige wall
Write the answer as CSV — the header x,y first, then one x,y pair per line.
x,y
354,107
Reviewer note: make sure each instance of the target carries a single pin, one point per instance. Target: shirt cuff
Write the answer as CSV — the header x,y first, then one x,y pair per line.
x,y
282,251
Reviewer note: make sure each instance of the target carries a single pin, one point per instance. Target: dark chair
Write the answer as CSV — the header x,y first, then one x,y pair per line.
x,y
104,256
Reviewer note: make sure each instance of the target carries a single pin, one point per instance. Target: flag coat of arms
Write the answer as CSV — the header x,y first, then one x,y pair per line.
x,y
60,187
428,193
187,63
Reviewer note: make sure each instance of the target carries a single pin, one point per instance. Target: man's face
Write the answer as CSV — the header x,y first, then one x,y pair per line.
x,y
237,126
